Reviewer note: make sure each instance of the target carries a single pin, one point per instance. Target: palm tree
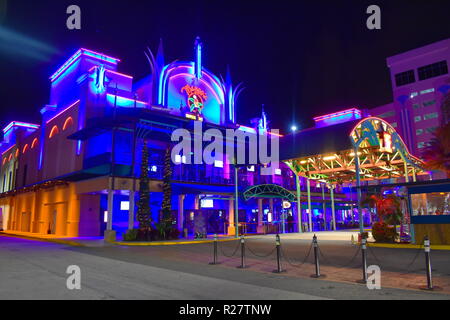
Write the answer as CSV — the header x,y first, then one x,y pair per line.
x,y
437,154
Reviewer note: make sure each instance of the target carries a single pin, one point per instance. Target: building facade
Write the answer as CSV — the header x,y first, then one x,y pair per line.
x,y
420,83
76,173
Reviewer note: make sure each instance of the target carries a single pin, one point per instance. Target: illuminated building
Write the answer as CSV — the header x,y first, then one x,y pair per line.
x,y
77,172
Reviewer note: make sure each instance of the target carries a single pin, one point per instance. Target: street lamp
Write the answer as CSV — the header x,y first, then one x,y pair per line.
x,y
294,128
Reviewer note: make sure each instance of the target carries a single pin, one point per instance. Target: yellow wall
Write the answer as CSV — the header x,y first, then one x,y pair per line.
x,y
438,233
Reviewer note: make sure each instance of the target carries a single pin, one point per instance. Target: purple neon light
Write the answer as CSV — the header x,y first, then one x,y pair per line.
x,y
78,54
338,114
20,124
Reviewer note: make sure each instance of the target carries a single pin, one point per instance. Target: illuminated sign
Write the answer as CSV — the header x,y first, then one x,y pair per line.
x,y
385,139
195,98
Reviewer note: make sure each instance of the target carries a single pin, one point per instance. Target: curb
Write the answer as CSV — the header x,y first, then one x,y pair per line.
x,y
167,243
408,246
59,241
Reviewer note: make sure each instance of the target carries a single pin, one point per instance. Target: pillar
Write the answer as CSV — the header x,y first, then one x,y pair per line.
x,y
299,204
308,188
197,202
414,174
260,228
406,172
358,186
231,228
110,234
131,210
180,219
324,207
333,209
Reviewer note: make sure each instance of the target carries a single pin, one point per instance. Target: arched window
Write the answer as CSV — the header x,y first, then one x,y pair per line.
x,y
54,131
10,157
4,160
68,123
17,152
34,143
25,148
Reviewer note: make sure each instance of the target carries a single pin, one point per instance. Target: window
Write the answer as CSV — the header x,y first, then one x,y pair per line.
x,y
404,78
218,163
387,114
427,91
419,132
394,124
25,148
430,204
429,103
124,205
433,115
416,106
431,129
417,118
433,70
421,145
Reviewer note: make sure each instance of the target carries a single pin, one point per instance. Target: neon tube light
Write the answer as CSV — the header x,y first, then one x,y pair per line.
x,y
7,150
113,72
63,111
20,124
338,114
128,99
77,55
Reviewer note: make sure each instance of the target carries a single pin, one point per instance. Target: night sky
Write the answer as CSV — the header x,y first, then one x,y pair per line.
x,y
300,59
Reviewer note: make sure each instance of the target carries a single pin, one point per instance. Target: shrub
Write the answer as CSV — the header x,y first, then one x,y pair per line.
x,y
130,235
382,232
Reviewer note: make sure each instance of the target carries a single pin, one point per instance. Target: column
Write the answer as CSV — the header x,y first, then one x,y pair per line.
x,y
197,202
260,228
131,210
414,174
308,188
333,209
299,204
358,186
231,228
324,207
406,172
110,209
180,219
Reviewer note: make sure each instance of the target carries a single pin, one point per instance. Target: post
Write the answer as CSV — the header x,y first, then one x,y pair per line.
x,y
110,210
426,245
308,188
316,258
242,266
236,203
215,250
299,203
333,208
278,244
364,260
260,228
358,187
180,220
131,209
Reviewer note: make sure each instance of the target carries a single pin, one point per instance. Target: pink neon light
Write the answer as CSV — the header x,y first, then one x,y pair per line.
x,y
337,114
63,111
120,97
20,124
8,149
101,54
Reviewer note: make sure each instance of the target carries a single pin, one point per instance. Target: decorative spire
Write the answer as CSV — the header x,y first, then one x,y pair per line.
x,y
198,57
160,55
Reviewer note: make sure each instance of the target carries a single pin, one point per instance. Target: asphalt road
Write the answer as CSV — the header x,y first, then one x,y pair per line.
x,y
37,270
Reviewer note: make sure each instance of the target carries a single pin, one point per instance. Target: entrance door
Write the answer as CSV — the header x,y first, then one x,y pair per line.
x,y
53,220
25,222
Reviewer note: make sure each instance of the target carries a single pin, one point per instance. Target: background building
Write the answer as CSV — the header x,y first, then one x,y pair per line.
x,y
420,82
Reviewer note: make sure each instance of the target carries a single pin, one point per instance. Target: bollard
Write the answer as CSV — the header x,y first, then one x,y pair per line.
x,y
426,244
364,260
278,245
215,250
242,266
316,258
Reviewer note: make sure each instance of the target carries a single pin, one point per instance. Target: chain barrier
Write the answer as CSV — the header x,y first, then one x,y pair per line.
x,y
418,252
285,256
345,265
234,252
260,255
